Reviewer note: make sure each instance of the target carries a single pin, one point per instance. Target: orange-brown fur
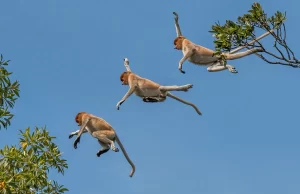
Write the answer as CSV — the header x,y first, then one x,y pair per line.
x,y
124,77
149,90
101,130
178,42
201,55
129,77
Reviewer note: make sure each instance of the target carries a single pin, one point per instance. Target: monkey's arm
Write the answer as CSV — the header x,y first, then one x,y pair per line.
x,y
126,64
185,102
82,128
184,58
129,92
76,133
178,31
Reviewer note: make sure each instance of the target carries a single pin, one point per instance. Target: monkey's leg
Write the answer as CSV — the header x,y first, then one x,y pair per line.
x,y
104,149
103,138
243,54
176,88
219,67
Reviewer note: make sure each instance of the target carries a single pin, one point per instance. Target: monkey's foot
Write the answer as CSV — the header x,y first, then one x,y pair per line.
x,y
101,152
232,69
188,86
182,71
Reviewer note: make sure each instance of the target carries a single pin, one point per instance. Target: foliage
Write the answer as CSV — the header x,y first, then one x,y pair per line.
x,y
232,35
25,168
8,94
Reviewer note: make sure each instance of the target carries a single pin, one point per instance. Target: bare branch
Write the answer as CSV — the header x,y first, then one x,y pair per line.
x,y
284,30
275,45
278,62
126,64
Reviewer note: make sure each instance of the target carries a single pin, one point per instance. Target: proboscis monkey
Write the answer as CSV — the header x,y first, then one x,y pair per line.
x,y
200,55
148,90
101,130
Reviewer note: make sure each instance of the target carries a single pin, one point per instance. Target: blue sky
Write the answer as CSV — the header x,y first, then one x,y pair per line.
x,y
68,56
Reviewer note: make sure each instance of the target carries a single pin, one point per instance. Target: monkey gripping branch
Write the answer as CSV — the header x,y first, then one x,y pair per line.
x,y
233,35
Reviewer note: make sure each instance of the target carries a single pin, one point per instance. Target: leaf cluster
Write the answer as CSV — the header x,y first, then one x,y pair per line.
x,y
9,92
25,168
241,33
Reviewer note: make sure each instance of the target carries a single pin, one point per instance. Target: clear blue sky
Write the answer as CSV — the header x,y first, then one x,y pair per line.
x,y
68,56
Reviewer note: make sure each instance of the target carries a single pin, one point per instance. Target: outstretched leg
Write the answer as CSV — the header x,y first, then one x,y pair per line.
x,y
217,66
243,54
176,88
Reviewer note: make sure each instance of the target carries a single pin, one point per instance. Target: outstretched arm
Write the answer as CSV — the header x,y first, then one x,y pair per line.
x,y
178,31
126,64
130,91
185,102
76,133
184,58
82,128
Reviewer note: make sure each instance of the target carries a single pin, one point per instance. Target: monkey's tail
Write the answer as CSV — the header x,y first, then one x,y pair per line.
x,y
126,156
185,102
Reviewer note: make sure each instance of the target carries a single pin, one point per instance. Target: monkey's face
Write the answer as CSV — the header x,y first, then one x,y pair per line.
x,y
78,118
178,42
124,78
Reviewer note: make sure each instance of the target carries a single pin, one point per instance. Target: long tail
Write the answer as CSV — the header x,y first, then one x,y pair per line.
x,y
126,156
185,102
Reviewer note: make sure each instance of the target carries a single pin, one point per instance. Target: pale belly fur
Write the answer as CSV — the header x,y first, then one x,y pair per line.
x,y
201,59
146,92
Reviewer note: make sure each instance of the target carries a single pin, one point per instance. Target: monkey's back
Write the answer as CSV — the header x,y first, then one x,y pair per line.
x,y
97,123
146,87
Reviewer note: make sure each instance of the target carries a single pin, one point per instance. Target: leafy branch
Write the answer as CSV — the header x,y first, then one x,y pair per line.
x,y
9,93
232,36
24,168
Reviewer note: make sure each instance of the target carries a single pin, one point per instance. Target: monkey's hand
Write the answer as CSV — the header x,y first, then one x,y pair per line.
x,y
176,16
181,70
71,135
77,140
119,104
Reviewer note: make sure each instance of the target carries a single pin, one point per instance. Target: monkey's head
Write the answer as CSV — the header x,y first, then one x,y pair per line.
x,y
124,77
178,42
78,118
